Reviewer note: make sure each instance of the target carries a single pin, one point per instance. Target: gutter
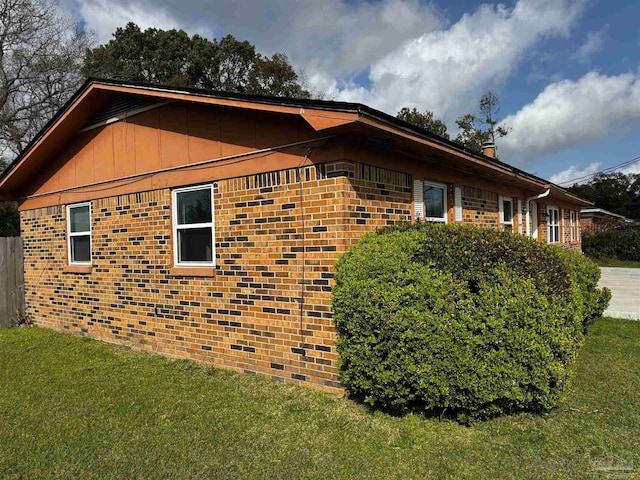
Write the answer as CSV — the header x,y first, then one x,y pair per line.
x,y
526,206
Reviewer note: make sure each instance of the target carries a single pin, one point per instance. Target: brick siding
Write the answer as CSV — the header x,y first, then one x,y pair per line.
x,y
479,207
266,310
267,307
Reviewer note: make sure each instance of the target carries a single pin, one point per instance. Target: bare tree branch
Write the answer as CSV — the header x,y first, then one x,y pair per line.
x,y
41,54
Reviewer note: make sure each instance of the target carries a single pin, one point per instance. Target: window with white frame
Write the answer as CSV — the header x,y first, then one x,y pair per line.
x,y
554,225
572,225
193,232
79,233
430,201
506,212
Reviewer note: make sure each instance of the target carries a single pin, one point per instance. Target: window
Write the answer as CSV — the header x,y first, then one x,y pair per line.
x,y
79,233
506,212
193,243
435,202
572,225
554,225
430,201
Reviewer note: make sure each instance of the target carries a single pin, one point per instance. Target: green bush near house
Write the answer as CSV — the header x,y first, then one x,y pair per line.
x,y
585,273
461,321
614,244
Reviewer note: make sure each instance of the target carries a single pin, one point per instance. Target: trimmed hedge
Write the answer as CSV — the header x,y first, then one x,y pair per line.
x,y
461,321
615,244
585,273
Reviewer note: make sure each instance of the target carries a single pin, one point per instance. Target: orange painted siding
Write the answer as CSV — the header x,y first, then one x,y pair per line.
x,y
170,136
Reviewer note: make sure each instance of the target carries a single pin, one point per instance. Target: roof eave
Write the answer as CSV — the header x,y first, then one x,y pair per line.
x,y
349,111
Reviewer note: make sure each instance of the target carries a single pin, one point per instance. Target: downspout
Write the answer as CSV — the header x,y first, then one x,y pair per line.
x,y
527,206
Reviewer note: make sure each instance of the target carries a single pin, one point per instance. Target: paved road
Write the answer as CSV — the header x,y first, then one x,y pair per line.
x,y
625,292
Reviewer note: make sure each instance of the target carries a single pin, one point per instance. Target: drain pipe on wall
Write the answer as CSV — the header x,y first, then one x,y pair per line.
x,y
528,207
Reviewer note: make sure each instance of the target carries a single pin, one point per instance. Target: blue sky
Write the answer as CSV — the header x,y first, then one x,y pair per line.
x,y
567,71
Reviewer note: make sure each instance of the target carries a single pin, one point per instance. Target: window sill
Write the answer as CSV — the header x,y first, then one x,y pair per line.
x,y
192,271
77,268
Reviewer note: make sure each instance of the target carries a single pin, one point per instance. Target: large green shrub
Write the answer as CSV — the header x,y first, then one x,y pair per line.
x,y
586,273
458,320
616,244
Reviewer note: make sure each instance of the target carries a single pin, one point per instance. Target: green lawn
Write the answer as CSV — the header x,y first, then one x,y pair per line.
x,y
612,262
76,408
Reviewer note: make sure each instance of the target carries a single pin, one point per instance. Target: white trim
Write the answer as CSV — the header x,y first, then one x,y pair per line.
x,y
443,186
572,225
520,216
78,234
175,226
502,221
551,224
458,203
534,220
418,200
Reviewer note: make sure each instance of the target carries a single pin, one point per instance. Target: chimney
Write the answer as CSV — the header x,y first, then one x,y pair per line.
x,y
489,149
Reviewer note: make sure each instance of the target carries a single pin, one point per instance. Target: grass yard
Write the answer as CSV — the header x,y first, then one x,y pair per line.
x,y
76,408
612,262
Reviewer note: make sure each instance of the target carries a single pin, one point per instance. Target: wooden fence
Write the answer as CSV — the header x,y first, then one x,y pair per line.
x,y
11,281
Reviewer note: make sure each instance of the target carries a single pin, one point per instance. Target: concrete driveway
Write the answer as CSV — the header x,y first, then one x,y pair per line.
x,y
625,292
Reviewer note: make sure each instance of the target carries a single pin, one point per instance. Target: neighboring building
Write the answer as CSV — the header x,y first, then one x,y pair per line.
x,y
206,225
596,220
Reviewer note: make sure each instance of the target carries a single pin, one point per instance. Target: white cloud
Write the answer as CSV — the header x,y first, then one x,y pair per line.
x,y
578,174
633,168
574,173
412,56
592,45
570,113
103,17
447,70
334,38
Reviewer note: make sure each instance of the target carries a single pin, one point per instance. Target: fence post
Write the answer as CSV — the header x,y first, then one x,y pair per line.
x,y
11,280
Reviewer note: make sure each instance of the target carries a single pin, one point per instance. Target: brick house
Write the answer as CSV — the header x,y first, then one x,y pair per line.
x,y
597,220
206,225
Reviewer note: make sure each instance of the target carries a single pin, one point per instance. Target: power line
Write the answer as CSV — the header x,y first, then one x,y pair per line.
x,y
570,182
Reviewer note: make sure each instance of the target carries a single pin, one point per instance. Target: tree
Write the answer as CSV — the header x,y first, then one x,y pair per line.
x,y
482,126
470,134
9,219
9,216
172,57
40,59
424,120
615,192
633,210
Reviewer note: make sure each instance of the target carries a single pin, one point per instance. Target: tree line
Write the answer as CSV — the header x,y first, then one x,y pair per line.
x,y
615,192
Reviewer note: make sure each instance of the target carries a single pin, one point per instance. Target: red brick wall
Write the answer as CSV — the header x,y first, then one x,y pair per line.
x,y
480,207
277,239
565,225
267,308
